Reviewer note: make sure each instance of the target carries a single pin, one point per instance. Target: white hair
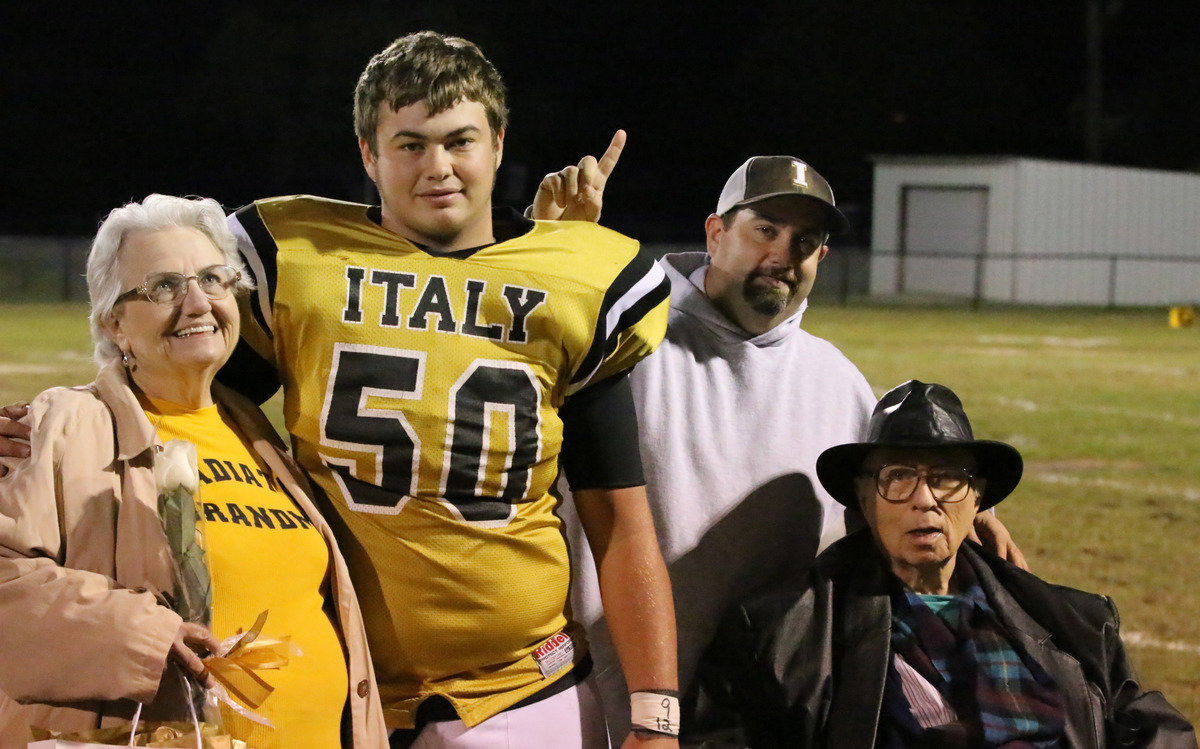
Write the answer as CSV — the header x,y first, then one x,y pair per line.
x,y
155,213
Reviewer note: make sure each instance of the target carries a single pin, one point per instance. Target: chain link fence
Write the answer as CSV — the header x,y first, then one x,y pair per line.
x,y
51,269
43,269
1042,278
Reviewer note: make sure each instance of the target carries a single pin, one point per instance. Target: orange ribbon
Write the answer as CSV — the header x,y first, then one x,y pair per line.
x,y
236,668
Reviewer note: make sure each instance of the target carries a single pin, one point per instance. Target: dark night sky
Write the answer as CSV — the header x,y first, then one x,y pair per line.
x,y
105,102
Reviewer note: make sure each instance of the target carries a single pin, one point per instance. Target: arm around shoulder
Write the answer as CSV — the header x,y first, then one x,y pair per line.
x,y
14,435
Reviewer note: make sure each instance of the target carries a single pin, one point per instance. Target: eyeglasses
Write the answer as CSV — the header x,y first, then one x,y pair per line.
x,y
896,483
216,281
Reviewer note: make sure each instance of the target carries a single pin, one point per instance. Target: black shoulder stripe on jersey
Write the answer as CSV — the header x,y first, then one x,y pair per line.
x,y
249,374
639,287
638,310
266,251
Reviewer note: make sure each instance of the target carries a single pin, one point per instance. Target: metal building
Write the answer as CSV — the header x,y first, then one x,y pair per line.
x,y
1031,231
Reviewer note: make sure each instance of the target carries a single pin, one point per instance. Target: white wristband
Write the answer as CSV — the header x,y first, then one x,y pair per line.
x,y
654,711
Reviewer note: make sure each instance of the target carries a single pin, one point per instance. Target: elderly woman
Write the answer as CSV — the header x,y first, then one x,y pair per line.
x,y
903,635
86,573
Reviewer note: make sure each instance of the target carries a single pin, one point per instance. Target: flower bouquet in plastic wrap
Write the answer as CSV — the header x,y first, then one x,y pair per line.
x,y
238,663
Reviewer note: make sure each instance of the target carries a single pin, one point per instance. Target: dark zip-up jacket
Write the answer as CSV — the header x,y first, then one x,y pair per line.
x,y
806,666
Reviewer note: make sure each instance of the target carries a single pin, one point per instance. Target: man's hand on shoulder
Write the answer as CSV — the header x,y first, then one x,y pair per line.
x,y
14,435
576,193
990,533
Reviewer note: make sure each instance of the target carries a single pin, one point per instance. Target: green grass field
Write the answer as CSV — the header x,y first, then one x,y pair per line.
x,y
1104,405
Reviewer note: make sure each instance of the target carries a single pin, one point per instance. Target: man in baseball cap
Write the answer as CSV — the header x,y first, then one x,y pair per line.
x,y
735,405
768,176
769,232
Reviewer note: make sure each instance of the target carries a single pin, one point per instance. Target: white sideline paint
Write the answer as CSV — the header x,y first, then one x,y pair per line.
x,y
32,368
1049,340
1169,417
1185,493
1018,403
1142,640
998,351
1155,370
1126,413
1091,361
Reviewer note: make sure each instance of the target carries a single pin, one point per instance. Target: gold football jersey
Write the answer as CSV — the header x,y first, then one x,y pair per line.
x,y
422,394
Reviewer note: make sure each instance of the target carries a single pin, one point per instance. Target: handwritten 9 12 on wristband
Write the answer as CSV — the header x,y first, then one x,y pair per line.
x,y
654,712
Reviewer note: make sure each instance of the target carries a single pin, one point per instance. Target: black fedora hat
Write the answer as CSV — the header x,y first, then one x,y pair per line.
x,y
919,415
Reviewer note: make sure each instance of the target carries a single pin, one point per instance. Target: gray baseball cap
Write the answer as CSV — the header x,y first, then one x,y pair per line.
x,y
764,177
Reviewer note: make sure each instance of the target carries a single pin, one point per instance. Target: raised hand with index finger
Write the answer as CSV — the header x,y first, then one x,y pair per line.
x,y
576,193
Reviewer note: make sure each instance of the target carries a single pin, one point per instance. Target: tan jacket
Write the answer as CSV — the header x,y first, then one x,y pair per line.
x,y
83,636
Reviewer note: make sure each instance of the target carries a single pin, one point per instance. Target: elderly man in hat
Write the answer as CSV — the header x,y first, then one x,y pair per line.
x,y
903,635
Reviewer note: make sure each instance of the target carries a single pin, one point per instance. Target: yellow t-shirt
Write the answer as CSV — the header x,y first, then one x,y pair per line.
x,y
264,554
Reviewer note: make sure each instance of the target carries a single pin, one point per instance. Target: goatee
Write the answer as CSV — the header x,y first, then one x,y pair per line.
x,y
769,299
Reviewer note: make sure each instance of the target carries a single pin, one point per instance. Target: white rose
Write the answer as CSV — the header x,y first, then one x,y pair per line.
x,y
175,466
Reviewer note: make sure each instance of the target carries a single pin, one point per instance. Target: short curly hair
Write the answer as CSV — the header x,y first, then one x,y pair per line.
x,y
427,66
155,213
